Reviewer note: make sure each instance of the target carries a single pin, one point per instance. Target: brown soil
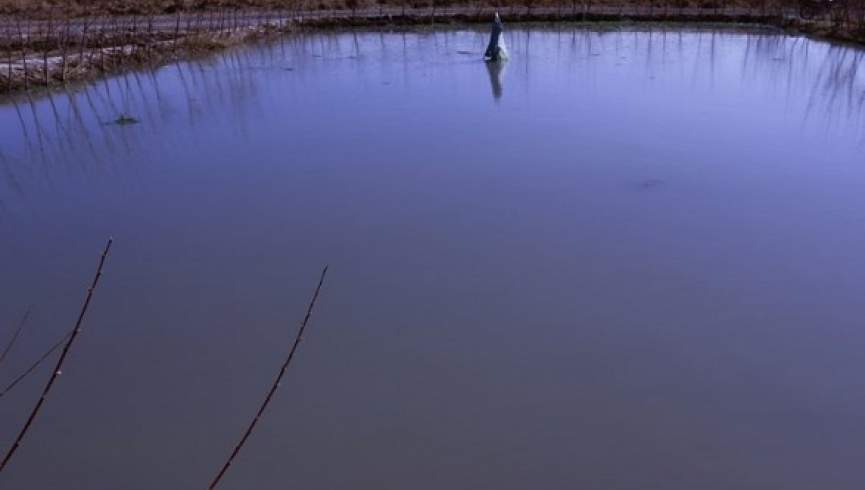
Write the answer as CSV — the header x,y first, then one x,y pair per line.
x,y
42,51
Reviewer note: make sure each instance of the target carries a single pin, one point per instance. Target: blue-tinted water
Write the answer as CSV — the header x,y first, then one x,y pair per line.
x,y
629,258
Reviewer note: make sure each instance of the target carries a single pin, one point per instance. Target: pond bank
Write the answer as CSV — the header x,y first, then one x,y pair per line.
x,y
44,53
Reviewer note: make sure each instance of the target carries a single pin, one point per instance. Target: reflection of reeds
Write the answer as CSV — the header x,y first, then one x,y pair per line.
x,y
275,384
86,38
819,77
18,330
67,346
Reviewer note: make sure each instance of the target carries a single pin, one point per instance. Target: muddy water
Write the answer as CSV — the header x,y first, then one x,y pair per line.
x,y
627,259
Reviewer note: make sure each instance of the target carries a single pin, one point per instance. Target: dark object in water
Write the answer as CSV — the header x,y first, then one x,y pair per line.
x,y
496,48
125,119
495,69
648,184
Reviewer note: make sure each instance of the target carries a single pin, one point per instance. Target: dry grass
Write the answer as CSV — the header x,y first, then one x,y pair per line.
x,y
58,8
48,42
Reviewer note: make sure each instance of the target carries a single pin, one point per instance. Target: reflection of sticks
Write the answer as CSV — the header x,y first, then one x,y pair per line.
x,y
15,335
275,385
35,365
57,369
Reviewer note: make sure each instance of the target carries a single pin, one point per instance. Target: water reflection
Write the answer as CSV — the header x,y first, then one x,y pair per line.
x,y
72,129
495,70
674,215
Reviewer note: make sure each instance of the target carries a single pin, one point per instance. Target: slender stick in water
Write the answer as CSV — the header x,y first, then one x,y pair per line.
x,y
35,365
15,335
275,385
58,368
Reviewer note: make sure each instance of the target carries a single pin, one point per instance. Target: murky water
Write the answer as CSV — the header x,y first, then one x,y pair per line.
x,y
628,259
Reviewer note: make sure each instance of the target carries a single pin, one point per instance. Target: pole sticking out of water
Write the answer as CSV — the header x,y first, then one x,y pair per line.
x,y
58,368
15,335
275,385
496,50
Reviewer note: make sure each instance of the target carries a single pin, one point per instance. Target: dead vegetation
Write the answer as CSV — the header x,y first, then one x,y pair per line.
x,y
46,52
845,10
49,42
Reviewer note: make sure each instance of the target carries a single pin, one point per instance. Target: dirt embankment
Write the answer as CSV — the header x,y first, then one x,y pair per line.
x,y
43,48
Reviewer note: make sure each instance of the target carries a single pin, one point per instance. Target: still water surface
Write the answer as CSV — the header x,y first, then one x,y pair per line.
x,y
629,259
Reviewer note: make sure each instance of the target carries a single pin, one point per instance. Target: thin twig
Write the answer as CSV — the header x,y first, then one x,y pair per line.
x,y
58,368
18,330
35,365
275,385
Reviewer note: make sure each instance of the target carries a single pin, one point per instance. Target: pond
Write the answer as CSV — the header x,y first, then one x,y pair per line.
x,y
629,258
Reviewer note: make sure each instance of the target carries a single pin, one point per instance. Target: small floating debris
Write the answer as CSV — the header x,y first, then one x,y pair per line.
x,y
647,184
460,51
288,68
125,119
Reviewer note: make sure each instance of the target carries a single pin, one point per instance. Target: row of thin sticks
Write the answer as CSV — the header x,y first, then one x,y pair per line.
x,y
69,339
87,40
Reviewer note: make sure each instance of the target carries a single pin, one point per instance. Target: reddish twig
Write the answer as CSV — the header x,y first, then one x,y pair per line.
x,y
275,385
57,369
15,335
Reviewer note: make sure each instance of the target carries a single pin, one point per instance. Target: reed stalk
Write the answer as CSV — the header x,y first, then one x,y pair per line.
x,y
35,365
23,52
58,369
274,386
64,48
82,44
47,48
176,31
9,66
